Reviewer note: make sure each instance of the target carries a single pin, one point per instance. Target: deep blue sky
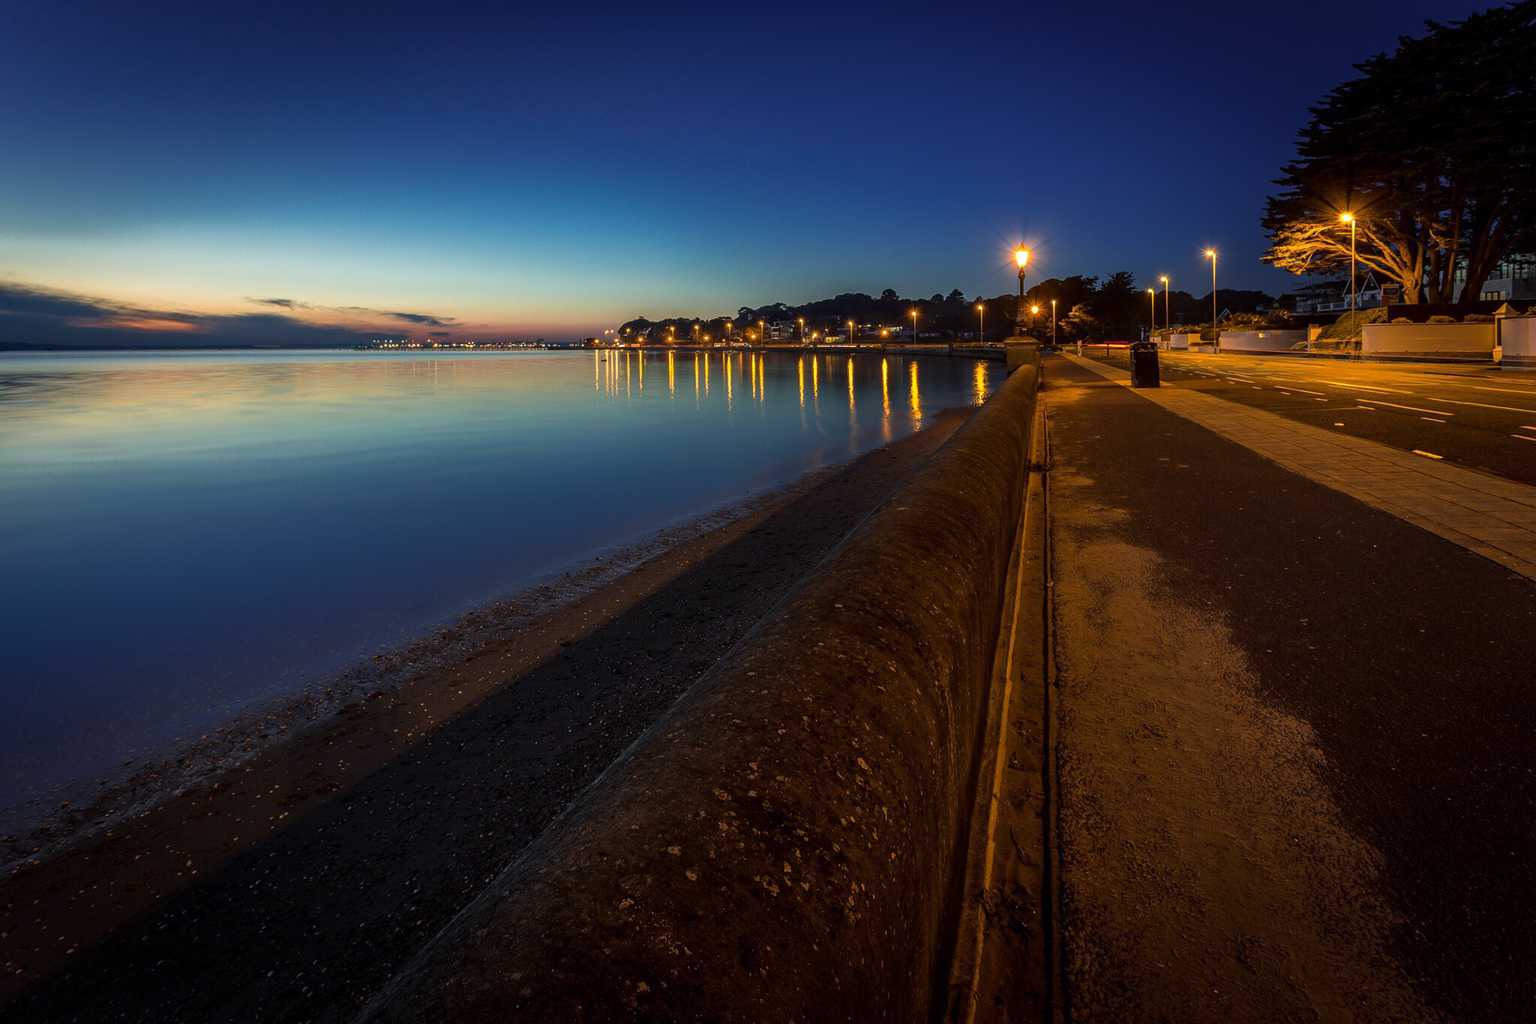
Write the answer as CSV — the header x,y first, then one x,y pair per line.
x,y
554,173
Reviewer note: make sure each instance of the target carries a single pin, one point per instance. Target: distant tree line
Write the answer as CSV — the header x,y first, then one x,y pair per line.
x,y
1086,309
1431,152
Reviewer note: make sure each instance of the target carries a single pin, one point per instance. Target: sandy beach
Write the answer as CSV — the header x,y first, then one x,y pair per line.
x,y
291,879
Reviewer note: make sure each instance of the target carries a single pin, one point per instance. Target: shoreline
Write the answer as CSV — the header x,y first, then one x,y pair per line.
x,y
223,890
50,823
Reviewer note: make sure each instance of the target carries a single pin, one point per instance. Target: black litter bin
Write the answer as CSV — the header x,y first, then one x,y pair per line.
x,y
1144,365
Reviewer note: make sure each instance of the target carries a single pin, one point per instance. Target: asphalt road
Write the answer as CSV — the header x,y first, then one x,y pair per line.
x,y
1474,416
1195,579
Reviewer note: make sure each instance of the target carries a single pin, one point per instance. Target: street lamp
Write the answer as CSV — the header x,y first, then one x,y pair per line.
x,y
1021,257
981,322
1152,298
1167,304
801,321
1210,254
1053,323
913,315
1349,218
850,332
762,335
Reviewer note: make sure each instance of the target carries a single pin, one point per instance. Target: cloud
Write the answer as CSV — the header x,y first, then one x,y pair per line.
x,y
421,319
32,317
425,319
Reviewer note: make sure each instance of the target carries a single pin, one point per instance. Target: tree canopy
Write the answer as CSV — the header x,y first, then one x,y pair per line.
x,y
1430,150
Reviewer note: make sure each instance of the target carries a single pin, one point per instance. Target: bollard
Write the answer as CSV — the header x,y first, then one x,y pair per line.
x,y
1144,370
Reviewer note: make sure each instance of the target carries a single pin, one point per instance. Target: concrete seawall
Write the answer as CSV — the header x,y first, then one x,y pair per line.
x,y
787,842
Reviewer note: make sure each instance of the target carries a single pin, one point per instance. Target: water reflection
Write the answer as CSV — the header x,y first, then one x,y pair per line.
x,y
227,528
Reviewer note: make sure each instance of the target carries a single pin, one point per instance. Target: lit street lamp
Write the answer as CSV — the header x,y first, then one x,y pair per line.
x,y
1021,257
801,321
1152,298
1167,304
1210,254
1053,323
913,314
981,322
850,332
1349,218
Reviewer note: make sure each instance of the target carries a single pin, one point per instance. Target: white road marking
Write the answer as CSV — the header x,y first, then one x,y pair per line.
x,y
1428,455
1306,392
1338,424
1363,387
1480,405
1410,408
1365,408
1523,437
1527,428
1431,419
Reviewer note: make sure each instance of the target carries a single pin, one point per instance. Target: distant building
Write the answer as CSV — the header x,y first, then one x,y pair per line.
x,y
1333,296
1513,278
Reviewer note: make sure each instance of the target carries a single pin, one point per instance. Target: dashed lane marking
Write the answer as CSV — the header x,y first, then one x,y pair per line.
x,y
1480,405
1410,408
1431,419
1428,455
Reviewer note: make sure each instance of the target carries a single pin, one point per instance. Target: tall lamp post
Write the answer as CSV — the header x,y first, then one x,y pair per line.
x,y
1167,304
1210,254
913,315
1152,299
1021,257
981,322
801,322
1053,323
1349,218
850,332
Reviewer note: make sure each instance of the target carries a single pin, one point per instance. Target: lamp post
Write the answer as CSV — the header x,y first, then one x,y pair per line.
x,y
850,332
1349,218
981,322
762,335
913,315
801,321
1167,305
1210,254
1053,323
1021,257
1152,299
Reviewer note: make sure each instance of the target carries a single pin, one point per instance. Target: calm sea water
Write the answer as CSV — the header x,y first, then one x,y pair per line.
x,y
184,536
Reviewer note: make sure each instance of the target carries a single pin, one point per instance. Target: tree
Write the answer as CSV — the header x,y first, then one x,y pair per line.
x,y
1430,149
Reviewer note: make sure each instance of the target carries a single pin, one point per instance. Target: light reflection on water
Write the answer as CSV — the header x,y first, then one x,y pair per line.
x,y
183,536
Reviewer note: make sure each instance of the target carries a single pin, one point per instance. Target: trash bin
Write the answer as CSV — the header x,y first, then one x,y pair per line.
x,y
1144,365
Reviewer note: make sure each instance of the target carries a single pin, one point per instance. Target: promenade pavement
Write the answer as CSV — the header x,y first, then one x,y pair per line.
x,y
1294,727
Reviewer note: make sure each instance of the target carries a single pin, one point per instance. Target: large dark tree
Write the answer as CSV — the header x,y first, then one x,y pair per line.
x,y
1431,149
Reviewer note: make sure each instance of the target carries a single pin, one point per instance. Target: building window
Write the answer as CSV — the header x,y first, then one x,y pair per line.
x,y
1494,296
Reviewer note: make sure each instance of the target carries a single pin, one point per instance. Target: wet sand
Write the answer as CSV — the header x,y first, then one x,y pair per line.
x,y
292,885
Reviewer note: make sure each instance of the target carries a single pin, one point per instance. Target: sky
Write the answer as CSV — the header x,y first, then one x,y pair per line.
x,y
251,174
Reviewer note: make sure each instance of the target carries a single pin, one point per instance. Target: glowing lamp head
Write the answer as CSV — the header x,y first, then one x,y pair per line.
x,y
1346,218
1034,309
1021,257
1210,254
1164,279
1151,291
979,307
